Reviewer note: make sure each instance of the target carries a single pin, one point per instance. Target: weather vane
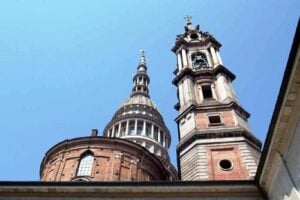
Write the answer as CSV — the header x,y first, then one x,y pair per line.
x,y
188,19
143,60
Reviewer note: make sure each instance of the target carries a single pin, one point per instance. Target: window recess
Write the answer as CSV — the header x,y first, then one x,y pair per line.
x,y
207,92
215,120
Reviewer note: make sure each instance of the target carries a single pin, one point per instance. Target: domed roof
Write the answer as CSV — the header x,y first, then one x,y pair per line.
x,y
139,99
139,120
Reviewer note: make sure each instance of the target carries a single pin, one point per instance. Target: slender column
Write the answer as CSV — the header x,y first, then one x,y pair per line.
x,y
135,127
119,129
152,130
184,58
127,126
158,135
213,89
144,128
219,57
208,58
221,87
213,53
112,132
179,61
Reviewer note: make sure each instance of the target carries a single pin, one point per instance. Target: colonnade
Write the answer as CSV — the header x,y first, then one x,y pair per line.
x,y
138,127
182,57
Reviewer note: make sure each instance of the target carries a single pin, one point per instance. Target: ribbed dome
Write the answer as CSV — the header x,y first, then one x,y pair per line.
x,y
139,100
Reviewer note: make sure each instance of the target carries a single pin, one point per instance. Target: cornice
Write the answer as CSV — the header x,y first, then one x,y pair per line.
x,y
221,133
216,106
182,42
196,73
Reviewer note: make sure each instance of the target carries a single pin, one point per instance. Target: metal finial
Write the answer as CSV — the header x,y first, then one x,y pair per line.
x,y
143,52
143,59
188,19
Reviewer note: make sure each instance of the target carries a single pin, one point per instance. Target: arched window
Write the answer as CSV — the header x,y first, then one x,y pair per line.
x,y
85,165
199,60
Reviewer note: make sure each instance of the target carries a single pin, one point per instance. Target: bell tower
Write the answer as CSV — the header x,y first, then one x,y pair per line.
x,y
215,141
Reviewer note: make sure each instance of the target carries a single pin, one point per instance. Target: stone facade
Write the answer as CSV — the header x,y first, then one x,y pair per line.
x,y
113,160
279,169
228,190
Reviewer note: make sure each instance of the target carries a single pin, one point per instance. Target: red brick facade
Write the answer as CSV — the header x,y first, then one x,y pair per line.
x,y
215,154
226,118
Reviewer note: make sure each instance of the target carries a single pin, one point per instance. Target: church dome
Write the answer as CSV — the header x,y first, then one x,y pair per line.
x,y
139,100
138,120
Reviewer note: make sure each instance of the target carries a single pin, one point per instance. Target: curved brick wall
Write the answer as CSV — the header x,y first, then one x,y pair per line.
x,y
114,160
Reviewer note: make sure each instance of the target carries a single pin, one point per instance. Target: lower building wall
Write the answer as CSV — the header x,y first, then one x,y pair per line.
x,y
193,164
283,186
201,160
285,180
131,198
231,154
178,190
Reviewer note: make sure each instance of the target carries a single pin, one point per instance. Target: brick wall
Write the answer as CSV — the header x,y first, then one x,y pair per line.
x,y
114,160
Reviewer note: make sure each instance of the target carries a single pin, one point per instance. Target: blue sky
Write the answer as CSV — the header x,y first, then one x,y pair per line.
x,y
67,65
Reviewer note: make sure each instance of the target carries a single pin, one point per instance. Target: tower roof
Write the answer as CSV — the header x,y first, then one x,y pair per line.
x,y
141,78
193,36
140,91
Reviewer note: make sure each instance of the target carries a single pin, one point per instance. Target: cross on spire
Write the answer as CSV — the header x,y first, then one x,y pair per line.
x,y
142,59
188,19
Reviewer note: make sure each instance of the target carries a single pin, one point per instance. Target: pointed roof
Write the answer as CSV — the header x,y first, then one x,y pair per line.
x,y
193,36
141,78
140,91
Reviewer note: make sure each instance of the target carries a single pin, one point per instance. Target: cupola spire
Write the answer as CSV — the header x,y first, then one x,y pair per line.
x,y
142,59
141,79
188,20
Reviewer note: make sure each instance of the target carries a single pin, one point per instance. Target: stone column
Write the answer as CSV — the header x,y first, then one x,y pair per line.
x,y
219,57
112,132
152,130
184,58
135,127
158,136
119,129
144,128
179,61
213,90
214,56
127,126
208,58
